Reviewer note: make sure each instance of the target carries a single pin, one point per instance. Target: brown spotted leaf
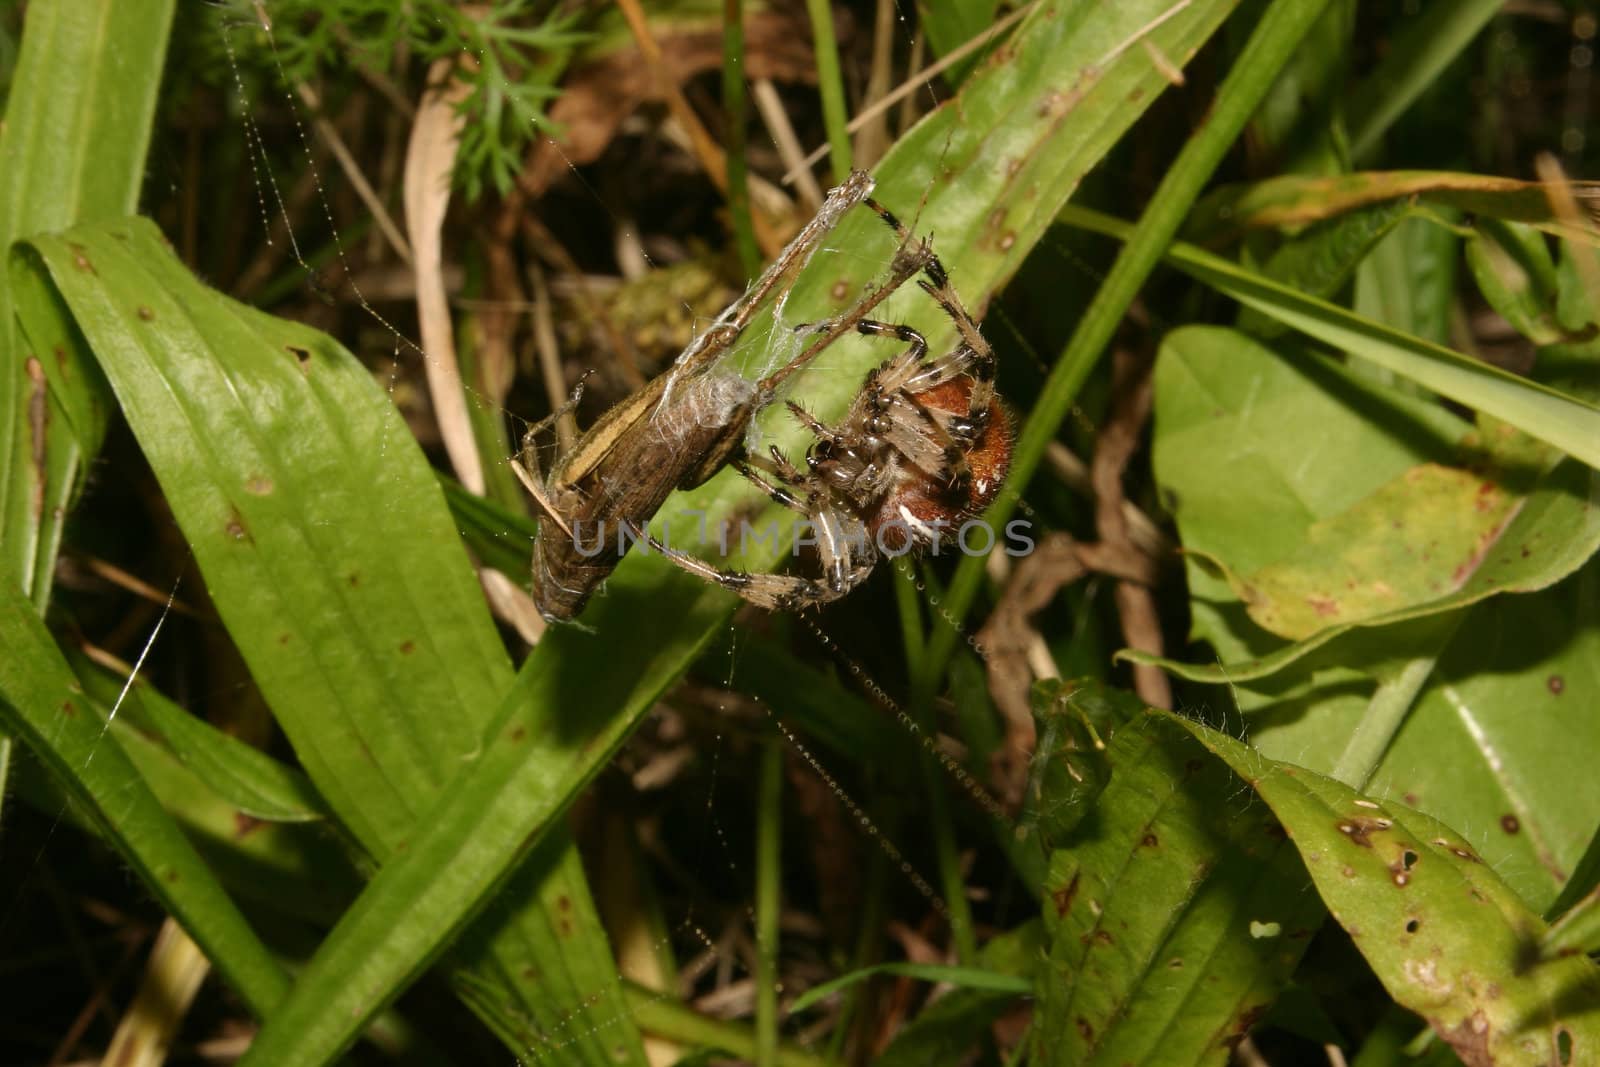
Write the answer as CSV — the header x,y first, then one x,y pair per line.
x,y
1448,939
1414,540
1175,911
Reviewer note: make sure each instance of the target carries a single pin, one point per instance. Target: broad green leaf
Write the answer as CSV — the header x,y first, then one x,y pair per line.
x,y
981,172
42,703
1567,422
1240,475
1501,742
1414,540
333,563
1174,913
1458,755
254,783
1553,533
1409,280
1445,935
1517,276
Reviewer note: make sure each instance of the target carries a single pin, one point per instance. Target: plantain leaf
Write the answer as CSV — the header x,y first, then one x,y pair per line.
x,y
257,785
332,562
303,870
76,124
1448,939
1552,534
1174,913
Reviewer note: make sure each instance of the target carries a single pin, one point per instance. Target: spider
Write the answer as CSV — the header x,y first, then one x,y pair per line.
x,y
683,426
925,445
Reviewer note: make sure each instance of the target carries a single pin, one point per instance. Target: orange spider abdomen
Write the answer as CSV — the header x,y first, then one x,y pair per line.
x,y
920,506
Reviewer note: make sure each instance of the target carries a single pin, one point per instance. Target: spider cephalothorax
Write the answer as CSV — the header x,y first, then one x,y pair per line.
x,y
924,446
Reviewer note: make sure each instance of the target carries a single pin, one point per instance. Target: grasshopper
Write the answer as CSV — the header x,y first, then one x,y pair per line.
x,y
679,429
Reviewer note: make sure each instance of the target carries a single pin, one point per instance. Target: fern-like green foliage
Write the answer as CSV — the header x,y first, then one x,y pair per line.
x,y
512,52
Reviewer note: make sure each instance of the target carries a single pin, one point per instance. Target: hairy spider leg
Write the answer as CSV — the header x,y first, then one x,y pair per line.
x,y
778,493
936,283
895,387
900,405
836,539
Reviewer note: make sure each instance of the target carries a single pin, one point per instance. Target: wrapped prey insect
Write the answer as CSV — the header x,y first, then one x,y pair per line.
x,y
680,428
925,446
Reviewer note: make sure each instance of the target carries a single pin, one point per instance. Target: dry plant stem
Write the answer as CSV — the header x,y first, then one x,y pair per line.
x,y
497,321
734,104
430,159
137,586
391,160
913,83
872,139
1008,638
908,103
511,604
1159,59
1136,608
544,343
1142,529
555,255
99,1001
712,159
1565,207
172,977
352,171
776,118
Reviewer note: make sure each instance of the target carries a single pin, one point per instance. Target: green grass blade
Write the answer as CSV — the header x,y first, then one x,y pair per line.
x,y
1413,62
965,977
41,702
769,899
253,782
831,83
72,146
